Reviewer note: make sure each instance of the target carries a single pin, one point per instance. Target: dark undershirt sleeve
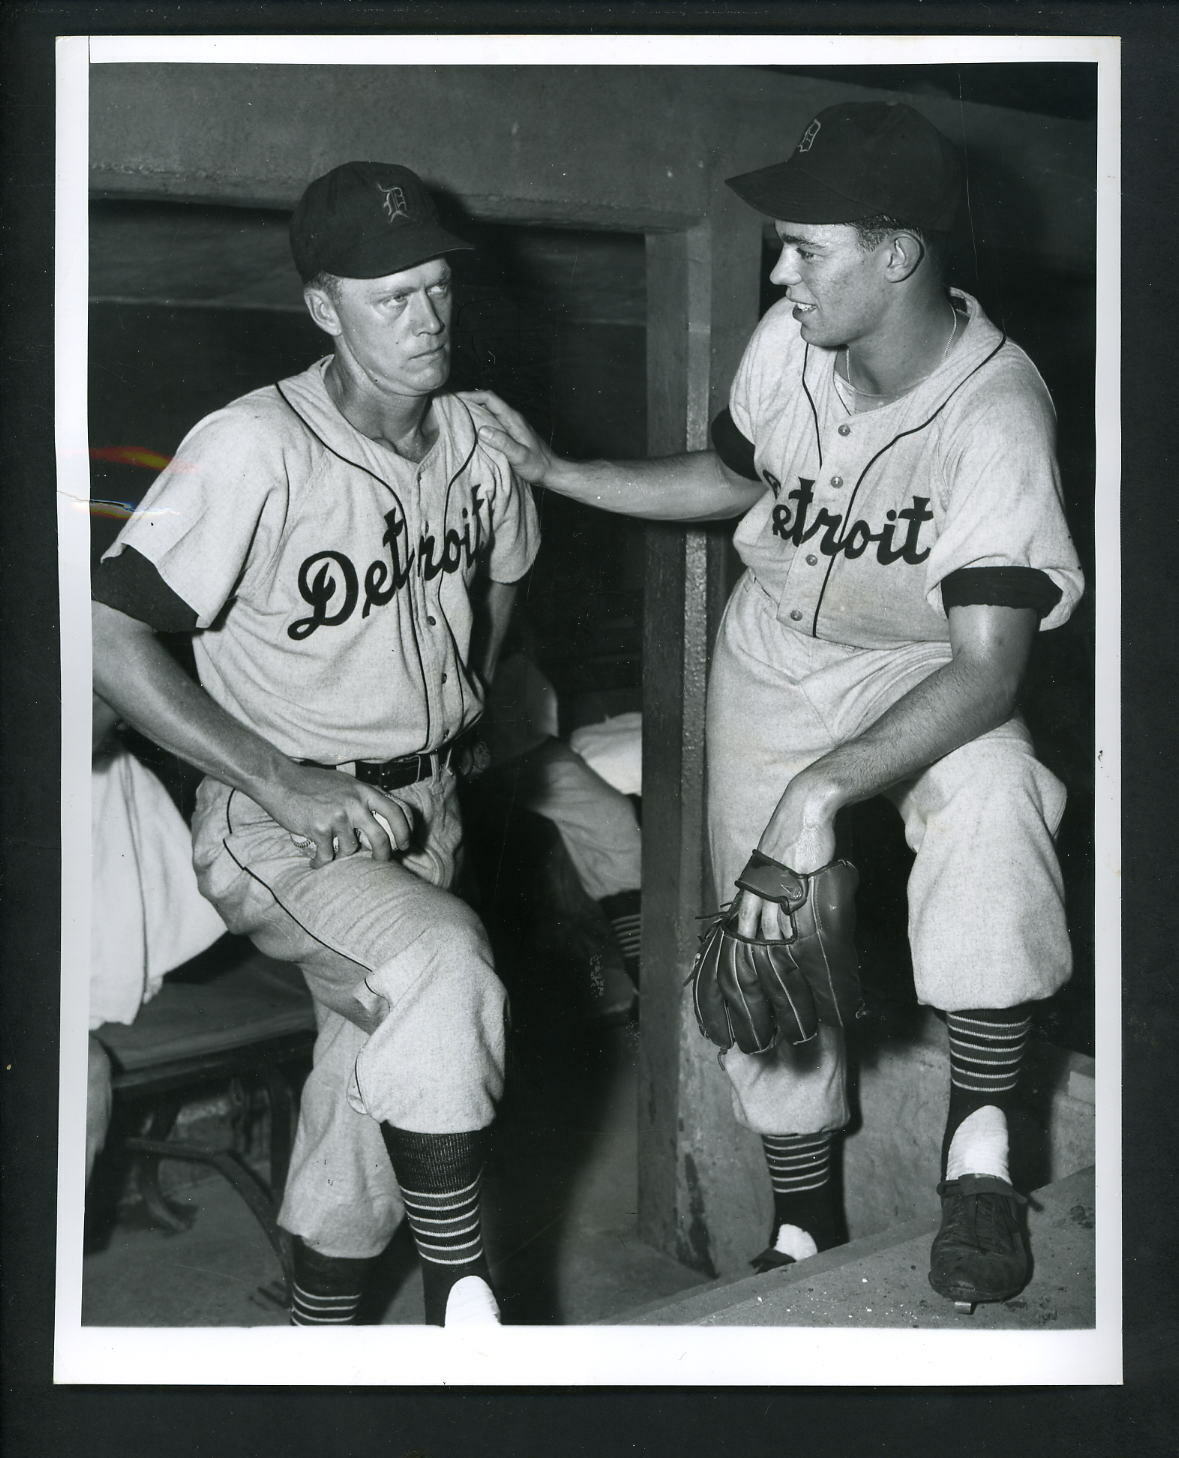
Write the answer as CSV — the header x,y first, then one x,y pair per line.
x,y
132,585
1016,587
732,447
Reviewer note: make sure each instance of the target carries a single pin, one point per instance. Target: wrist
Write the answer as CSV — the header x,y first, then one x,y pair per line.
x,y
822,794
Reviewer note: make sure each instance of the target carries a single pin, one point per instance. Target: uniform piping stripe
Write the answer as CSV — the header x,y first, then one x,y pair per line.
x,y
851,500
992,1024
253,875
411,617
331,450
1008,1059
814,408
441,1194
971,1038
447,1247
794,1188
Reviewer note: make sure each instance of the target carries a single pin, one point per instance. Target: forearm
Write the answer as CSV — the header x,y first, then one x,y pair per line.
x,y
954,705
689,487
967,697
135,674
694,486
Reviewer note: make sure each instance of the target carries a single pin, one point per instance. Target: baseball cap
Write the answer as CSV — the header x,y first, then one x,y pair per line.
x,y
857,160
367,219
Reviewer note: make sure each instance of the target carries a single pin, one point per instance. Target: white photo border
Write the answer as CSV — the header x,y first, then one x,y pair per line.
x,y
614,1356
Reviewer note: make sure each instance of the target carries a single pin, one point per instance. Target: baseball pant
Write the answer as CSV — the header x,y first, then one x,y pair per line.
x,y
986,908
411,1015
596,822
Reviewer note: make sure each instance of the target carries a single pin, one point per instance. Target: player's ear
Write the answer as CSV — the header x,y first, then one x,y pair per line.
x,y
905,252
322,308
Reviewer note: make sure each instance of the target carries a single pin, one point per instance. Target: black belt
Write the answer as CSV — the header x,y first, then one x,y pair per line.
x,y
395,774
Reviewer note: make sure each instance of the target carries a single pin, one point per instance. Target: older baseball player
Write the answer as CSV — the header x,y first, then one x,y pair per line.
x,y
327,540
892,454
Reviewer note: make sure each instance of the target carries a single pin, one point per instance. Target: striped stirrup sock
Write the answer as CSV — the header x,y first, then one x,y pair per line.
x,y
326,1290
986,1054
800,1175
624,911
439,1176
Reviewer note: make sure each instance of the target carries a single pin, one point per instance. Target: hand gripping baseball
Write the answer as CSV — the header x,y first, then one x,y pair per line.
x,y
752,991
334,815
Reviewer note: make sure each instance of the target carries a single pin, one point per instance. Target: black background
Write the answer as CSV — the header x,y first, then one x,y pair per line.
x,y
1138,1420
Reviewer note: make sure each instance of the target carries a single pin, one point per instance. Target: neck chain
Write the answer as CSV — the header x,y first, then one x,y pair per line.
x,y
892,394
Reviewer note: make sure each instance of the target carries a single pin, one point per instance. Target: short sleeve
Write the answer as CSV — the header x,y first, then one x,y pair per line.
x,y
132,585
999,488
211,508
516,527
734,449
745,391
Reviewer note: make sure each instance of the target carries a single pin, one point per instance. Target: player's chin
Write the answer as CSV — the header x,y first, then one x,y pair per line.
x,y
432,369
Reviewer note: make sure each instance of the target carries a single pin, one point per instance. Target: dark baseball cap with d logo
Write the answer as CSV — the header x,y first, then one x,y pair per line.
x,y
365,220
861,160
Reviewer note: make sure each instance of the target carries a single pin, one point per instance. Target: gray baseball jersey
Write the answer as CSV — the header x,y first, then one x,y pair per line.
x,y
331,577
868,514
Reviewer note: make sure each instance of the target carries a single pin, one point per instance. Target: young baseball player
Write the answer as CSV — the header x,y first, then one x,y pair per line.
x,y
891,455
326,540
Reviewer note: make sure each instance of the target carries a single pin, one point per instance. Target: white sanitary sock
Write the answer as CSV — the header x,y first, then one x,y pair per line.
x,y
792,1241
979,1145
470,1303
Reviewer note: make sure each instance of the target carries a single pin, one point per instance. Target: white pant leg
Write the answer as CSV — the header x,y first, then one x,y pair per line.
x,y
986,904
412,1016
341,1196
762,730
596,822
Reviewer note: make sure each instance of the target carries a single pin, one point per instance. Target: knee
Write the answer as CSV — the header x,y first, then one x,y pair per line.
x,y
996,784
458,939
1017,790
450,960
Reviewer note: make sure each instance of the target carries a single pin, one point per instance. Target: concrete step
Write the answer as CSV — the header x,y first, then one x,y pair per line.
x,y
882,1280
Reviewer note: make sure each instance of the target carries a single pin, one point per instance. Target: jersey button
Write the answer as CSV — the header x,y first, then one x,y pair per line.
x,y
444,676
811,560
432,621
845,430
837,480
796,615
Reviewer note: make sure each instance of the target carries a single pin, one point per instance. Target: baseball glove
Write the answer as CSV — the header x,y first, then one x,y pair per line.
x,y
753,992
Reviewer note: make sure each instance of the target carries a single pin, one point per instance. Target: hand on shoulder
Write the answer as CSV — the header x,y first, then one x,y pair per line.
x,y
508,432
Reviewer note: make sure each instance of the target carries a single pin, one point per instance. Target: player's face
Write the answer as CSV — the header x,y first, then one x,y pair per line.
x,y
395,331
836,287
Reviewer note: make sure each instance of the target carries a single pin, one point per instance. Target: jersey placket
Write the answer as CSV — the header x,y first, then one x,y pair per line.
x,y
432,635
819,519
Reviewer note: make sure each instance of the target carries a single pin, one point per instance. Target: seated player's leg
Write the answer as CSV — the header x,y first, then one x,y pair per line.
x,y
598,827
99,1098
412,1022
989,937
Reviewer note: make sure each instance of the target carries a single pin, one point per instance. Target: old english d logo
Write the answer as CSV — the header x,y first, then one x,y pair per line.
x,y
395,205
808,137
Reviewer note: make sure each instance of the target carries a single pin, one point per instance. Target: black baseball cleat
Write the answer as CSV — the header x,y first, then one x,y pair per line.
x,y
771,1260
980,1253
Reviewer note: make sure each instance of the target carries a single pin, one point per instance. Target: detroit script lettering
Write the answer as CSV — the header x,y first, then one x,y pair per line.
x,y
796,525
330,583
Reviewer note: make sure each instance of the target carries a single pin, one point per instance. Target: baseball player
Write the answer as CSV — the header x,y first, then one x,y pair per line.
x,y
892,455
327,541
